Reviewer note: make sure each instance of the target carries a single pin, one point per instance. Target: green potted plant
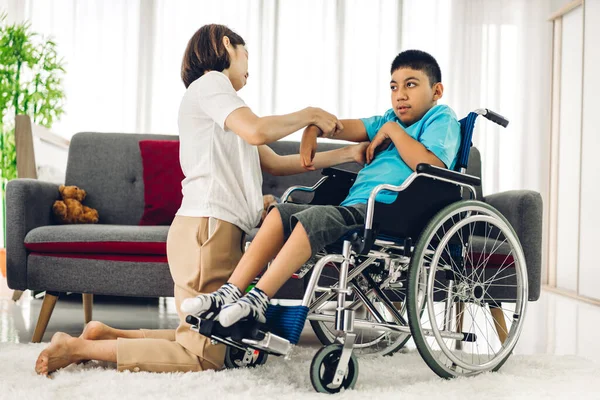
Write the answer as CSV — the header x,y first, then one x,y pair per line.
x,y
31,84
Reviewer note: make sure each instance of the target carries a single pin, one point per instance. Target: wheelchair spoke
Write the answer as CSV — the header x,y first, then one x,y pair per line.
x,y
494,248
470,244
501,269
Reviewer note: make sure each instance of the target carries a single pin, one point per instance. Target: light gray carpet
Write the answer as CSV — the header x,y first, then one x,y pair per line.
x,y
403,376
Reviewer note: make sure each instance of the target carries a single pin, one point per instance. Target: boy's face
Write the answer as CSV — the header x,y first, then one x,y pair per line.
x,y
412,94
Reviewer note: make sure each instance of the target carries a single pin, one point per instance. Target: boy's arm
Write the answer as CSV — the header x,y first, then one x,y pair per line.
x,y
277,165
353,131
412,152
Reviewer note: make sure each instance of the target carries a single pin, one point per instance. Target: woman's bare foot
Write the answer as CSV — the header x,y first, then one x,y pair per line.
x,y
59,354
95,330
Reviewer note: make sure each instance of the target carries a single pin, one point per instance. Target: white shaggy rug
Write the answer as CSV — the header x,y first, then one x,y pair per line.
x,y
403,376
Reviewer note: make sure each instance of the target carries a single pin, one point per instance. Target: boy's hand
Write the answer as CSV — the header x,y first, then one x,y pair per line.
x,y
380,142
308,147
359,152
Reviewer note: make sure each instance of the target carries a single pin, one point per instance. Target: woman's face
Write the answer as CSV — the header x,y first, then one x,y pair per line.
x,y
238,70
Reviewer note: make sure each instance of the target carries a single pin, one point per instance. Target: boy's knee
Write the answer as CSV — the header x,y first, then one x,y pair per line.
x,y
299,230
273,216
273,212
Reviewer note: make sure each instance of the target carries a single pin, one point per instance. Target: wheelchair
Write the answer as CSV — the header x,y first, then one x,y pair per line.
x,y
437,265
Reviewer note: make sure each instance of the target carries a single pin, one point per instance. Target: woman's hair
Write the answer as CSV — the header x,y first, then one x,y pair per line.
x,y
206,52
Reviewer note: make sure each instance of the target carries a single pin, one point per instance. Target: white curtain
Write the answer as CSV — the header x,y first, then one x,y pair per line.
x,y
123,62
301,53
99,41
123,56
494,54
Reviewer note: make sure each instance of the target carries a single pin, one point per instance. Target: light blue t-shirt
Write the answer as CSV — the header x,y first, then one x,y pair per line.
x,y
438,131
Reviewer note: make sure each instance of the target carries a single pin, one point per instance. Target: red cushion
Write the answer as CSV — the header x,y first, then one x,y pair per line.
x,y
107,257
162,181
148,248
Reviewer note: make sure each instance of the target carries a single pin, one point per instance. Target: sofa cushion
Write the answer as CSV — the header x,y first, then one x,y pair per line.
x,y
162,181
98,239
109,167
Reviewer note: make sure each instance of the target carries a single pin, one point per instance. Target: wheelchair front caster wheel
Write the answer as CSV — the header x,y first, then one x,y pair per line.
x,y
236,358
324,365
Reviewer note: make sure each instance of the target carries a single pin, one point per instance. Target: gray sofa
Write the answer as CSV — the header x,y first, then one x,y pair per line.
x,y
119,257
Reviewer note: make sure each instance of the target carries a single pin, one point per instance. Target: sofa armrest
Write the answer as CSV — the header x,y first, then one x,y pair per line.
x,y
523,209
28,206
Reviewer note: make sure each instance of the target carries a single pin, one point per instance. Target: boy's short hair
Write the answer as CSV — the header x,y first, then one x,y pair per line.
x,y
205,52
420,61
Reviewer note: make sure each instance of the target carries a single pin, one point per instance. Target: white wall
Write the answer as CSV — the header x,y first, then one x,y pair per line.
x,y
578,183
569,157
589,270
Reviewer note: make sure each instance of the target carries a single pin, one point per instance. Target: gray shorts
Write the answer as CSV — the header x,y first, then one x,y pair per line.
x,y
323,224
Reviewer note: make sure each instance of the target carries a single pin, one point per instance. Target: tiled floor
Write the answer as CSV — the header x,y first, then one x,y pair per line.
x,y
554,325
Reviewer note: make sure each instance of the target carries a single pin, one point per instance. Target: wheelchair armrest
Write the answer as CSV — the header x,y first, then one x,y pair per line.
x,y
447,174
333,191
337,172
292,189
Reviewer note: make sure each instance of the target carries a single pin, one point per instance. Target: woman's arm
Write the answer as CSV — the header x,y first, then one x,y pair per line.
x,y
277,165
353,130
262,130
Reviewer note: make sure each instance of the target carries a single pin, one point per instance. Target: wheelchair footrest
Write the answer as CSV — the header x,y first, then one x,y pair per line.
x,y
286,321
242,335
237,332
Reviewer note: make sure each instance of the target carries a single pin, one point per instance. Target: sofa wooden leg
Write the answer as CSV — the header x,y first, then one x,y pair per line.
x,y
17,295
88,301
499,323
45,314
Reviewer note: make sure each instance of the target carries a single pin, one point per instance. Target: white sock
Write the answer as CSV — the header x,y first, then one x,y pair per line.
x,y
207,306
253,305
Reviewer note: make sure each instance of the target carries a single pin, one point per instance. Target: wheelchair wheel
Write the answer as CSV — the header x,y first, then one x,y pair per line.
x,y
467,290
237,358
368,341
323,366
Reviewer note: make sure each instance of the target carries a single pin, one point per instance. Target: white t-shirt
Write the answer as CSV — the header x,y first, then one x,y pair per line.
x,y
223,177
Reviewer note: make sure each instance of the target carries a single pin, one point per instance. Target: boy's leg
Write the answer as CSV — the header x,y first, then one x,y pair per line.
x,y
264,247
290,258
267,243
294,253
314,228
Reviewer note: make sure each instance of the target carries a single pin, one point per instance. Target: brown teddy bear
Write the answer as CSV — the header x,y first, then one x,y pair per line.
x,y
69,210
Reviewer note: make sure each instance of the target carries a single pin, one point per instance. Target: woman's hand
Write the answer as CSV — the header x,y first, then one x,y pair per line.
x,y
328,123
380,142
308,147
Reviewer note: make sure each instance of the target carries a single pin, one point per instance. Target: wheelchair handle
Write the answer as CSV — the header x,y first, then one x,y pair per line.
x,y
495,117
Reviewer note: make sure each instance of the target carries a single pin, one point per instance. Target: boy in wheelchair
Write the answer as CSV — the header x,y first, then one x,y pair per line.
x,y
415,130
